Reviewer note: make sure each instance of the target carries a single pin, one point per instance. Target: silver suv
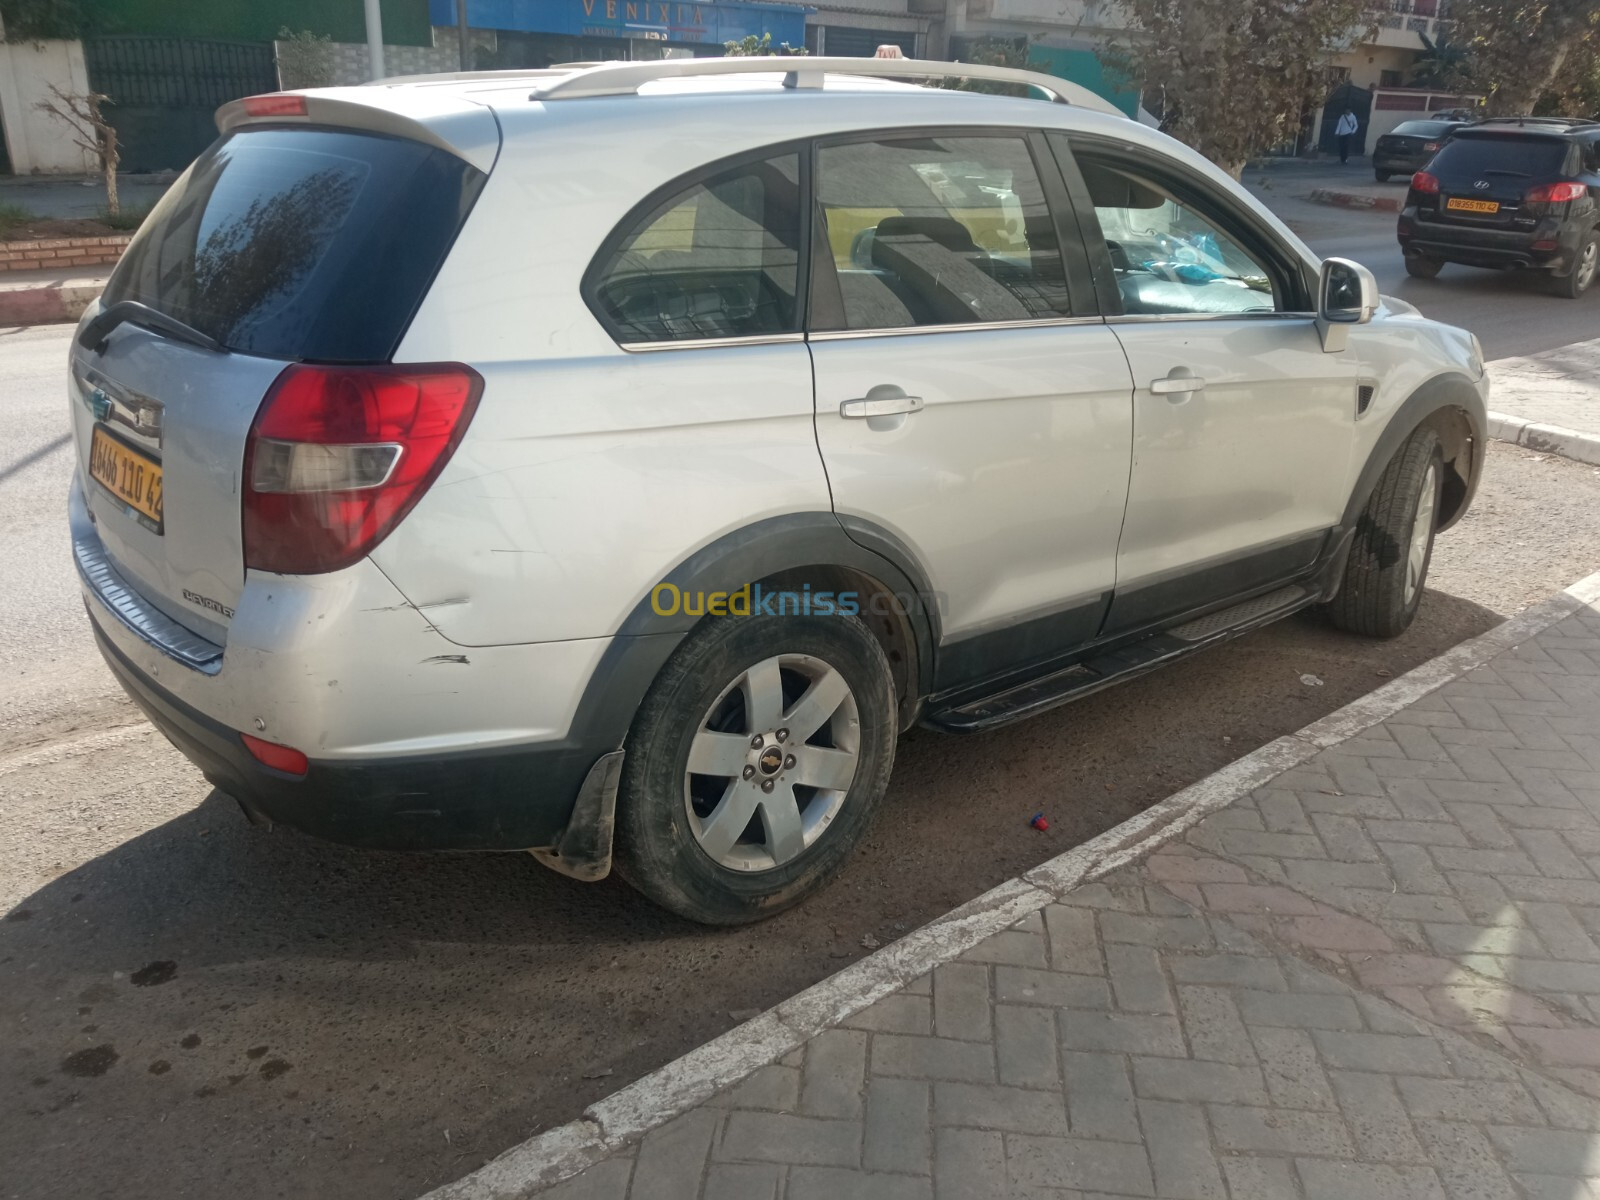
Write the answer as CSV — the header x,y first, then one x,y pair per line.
x,y
611,462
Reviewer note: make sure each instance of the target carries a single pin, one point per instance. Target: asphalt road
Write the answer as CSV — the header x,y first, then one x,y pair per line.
x,y
194,1007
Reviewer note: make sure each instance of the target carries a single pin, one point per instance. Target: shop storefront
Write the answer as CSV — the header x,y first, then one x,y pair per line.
x,y
537,33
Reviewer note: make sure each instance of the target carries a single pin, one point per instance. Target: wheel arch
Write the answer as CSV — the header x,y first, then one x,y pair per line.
x,y
1453,408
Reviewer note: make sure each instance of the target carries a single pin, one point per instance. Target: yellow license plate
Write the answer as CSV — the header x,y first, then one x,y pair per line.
x,y
132,477
1477,206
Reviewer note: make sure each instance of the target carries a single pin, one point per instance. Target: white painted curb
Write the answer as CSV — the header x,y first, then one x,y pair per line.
x,y
1551,439
626,1115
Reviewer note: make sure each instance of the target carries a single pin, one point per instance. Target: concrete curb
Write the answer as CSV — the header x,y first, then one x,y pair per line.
x,y
668,1092
46,304
1551,439
1338,199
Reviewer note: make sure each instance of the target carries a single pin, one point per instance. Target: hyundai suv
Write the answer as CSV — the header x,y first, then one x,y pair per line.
x,y
1520,192
610,462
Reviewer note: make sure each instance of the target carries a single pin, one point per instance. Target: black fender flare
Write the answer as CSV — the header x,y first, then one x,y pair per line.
x,y
1437,400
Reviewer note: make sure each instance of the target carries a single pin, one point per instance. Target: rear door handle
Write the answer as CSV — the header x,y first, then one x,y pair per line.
x,y
880,406
1179,381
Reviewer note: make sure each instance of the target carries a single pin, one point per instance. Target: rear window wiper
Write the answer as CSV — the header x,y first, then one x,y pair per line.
x,y
130,312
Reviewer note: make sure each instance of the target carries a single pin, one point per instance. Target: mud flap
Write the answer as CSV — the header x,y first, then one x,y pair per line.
x,y
583,850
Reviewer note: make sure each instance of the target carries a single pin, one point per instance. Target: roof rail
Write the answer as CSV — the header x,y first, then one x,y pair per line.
x,y
626,78
1568,122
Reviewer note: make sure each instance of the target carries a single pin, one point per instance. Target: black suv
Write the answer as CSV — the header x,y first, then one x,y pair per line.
x,y
1510,192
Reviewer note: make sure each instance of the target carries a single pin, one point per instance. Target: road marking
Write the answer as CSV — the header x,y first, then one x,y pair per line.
x,y
667,1092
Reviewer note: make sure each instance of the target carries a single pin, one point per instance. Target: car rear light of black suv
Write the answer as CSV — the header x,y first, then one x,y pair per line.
x,y
338,456
1425,183
1556,193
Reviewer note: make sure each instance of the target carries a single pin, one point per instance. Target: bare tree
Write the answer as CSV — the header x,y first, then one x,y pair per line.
x,y
1232,77
1522,50
80,112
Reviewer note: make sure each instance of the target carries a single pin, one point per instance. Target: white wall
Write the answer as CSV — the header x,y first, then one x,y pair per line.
x,y
39,143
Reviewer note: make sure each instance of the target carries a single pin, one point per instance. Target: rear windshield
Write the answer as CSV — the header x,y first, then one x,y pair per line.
x,y
1427,129
311,244
1503,154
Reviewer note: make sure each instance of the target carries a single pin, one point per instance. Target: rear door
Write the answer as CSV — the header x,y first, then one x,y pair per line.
x,y
277,245
1242,425
970,400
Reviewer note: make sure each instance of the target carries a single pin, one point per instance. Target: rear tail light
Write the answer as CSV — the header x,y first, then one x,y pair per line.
x,y
1556,193
1425,183
275,104
280,758
1430,146
339,455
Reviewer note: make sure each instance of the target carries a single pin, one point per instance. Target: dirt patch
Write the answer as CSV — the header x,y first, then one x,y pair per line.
x,y
40,228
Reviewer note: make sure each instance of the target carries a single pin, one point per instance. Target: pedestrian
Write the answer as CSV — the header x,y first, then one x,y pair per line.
x,y
1345,131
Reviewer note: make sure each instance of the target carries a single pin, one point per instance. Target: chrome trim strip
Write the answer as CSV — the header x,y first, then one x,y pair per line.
x,y
760,339
837,335
1147,318
151,624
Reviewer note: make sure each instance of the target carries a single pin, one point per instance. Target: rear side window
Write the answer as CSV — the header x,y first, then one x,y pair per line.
x,y
311,244
940,231
1502,155
717,259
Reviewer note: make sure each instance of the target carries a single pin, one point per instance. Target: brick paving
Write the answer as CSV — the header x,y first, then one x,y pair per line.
x,y
1376,977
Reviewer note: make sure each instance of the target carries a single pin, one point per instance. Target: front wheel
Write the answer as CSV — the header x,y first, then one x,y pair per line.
x,y
1576,282
755,764
1388,563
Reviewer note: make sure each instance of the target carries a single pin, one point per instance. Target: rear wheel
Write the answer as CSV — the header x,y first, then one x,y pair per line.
x,y
1383,176
1578,280
755,764
1388,563
1422,268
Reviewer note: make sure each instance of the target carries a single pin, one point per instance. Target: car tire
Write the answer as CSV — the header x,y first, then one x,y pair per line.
x,y
778,838
1582,276
1419,267
1383,176
1388,564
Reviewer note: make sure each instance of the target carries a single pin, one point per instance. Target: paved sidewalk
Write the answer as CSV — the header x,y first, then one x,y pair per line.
x,y
48,297
1549,401
1377,975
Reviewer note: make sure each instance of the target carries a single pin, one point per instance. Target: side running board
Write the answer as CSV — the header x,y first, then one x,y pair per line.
x,y
1019,701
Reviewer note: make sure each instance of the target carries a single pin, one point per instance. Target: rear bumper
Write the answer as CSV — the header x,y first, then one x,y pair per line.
x,y
1547,247
507,799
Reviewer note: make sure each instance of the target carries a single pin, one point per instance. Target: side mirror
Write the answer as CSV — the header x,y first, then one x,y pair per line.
x,y
1347,295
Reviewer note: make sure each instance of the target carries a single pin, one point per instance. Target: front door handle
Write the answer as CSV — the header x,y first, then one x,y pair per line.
x,y
876,404
1180,381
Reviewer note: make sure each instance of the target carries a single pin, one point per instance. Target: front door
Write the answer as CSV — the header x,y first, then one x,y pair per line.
x,y
970,401
1242,424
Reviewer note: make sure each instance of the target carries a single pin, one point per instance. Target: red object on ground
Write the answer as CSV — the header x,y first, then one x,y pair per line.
x,y
1039,822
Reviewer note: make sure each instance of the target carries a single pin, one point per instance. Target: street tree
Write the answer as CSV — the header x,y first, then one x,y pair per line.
x,y
81,113
1522,51
1232,77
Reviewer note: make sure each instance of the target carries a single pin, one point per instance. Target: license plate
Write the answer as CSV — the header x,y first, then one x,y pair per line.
x,y
132,478
1457,204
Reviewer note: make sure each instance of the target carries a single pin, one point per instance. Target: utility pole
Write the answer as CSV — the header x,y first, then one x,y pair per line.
x,y
374,38
461,34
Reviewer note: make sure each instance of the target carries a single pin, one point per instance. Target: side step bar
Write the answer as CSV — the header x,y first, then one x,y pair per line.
x,y
1101,670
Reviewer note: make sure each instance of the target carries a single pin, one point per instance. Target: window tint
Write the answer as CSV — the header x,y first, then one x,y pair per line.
x,y
300,243
719,259
1167,257
940,231
1501,154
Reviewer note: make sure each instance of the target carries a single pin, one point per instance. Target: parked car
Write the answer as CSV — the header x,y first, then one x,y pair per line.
x,y
1515,193
1406,148
611,462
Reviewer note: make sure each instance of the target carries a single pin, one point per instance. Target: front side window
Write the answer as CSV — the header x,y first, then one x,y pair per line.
x,y
719,259
1168,258
939,231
